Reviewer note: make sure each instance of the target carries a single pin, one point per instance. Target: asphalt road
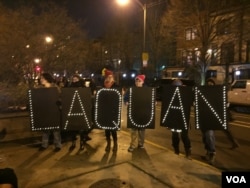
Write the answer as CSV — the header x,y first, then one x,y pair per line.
x,y
227,159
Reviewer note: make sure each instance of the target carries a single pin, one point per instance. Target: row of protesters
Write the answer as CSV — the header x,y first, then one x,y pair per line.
x,y
137,134
48,81
208,136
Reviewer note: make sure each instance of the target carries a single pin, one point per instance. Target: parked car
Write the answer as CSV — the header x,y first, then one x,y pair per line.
x,y
239,95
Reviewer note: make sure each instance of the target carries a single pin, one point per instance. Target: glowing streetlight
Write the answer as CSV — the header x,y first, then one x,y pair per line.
x,y
37,60
144,8
123,2
48,39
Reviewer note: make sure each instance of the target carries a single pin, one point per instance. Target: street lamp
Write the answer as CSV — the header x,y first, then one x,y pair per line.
x,y
144,8
48,40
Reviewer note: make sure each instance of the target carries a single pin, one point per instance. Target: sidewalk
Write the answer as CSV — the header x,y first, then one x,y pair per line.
x,y
154,166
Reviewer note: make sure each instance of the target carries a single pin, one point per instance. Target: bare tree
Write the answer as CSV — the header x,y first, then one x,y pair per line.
x,y
22,39
204,19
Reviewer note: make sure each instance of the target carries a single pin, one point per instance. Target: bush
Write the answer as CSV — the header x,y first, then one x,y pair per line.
x,y
13,96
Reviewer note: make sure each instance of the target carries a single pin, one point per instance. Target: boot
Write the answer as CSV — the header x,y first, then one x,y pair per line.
x,y
234,146
176,151
73,145
115,146
211,158
207,156
188,153
108,146
82,145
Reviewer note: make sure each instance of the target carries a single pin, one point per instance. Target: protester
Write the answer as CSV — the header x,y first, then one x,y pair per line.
x,y
76,83
136,133
183,133
47,81
109,82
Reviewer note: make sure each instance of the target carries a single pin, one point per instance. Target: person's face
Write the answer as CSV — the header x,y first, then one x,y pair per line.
x,y
44,82
138,83
109,80
75,79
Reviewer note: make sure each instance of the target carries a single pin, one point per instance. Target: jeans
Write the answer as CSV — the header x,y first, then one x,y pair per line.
x,y
208,139
57,138
184,137
141,137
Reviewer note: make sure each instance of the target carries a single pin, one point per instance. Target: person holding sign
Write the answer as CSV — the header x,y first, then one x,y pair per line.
x,y
136,132
183,134
48,81
109,82
84,137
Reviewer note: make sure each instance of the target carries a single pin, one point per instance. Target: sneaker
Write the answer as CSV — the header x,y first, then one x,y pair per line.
x,y
211,158
140,146
130,149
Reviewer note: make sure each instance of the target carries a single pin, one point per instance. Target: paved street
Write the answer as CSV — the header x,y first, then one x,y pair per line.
x,y
153,166
226,158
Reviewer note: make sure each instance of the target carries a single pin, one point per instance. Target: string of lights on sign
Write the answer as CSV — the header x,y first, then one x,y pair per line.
x,y
33,128
79,114
152,109
222,122
181,108
115,123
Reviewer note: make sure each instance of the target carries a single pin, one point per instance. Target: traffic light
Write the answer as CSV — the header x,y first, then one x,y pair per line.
x,y
38,68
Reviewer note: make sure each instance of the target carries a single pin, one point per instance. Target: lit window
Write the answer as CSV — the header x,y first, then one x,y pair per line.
x,y
190,33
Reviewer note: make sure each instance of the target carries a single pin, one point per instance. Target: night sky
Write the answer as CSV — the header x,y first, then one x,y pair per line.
x,y
95,13
98,13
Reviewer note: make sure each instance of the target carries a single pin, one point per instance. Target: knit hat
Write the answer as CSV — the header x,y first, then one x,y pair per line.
x,y
108,72
48,77
140,77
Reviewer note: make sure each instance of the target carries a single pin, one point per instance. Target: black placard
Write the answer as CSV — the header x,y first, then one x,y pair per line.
x,y
211,107
141,108
76,109
176,105
44,109
108,109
